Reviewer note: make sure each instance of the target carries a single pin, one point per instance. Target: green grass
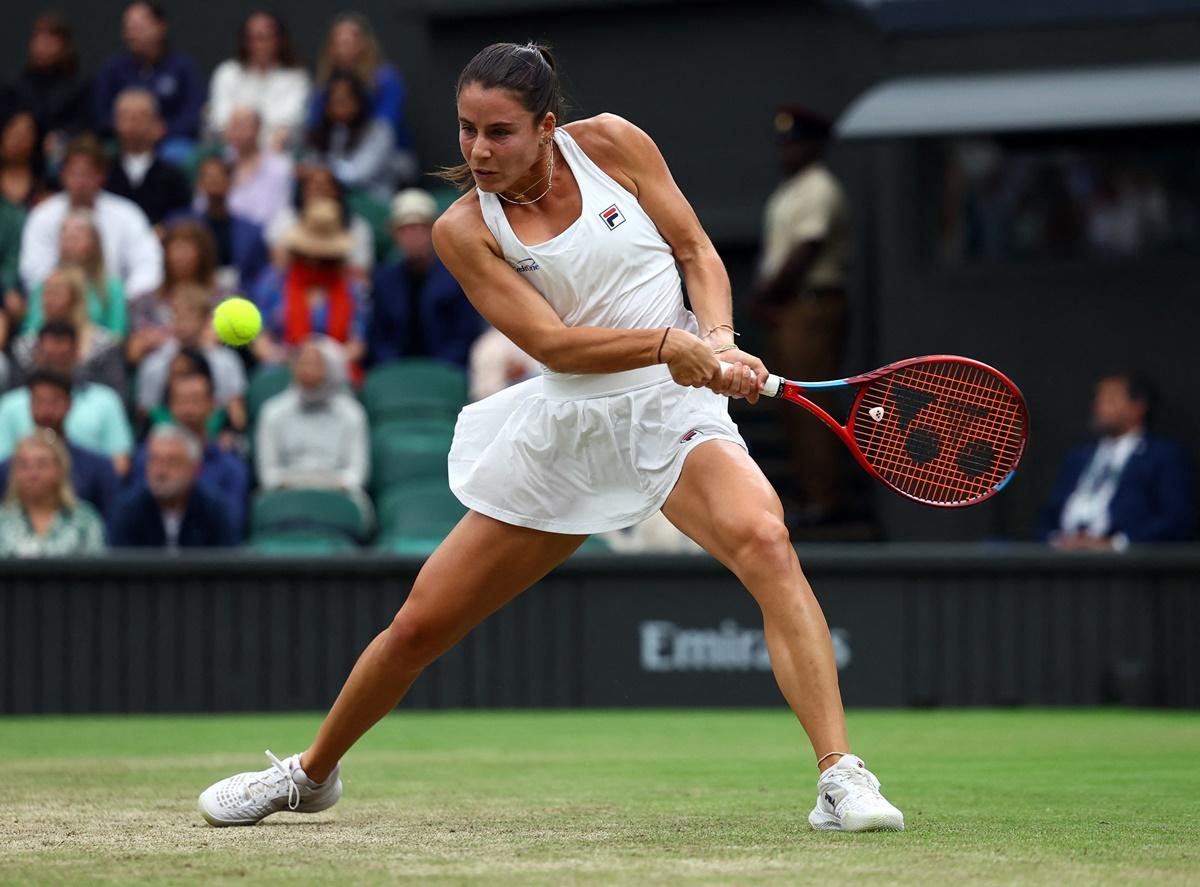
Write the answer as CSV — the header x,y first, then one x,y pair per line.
x,y
716,797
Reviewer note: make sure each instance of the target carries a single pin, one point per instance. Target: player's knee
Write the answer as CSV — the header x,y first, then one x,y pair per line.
x,y
414,641
763,544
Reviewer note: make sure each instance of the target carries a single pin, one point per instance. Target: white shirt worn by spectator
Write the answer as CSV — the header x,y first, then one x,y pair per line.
x,y
1086,510
495,363
228,372
312,444
132,252
136,166
266,193
278,96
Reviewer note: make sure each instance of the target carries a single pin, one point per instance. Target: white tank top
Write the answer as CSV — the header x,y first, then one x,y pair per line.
x,y
611,268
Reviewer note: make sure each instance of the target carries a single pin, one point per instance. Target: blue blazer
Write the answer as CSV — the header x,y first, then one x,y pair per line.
x,y
137,522
449,322
1155,497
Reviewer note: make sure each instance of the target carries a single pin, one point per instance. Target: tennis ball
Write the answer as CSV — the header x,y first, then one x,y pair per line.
x,y
237,321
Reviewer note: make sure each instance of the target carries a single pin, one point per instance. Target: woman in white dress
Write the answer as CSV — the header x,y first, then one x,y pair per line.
x,y
569,244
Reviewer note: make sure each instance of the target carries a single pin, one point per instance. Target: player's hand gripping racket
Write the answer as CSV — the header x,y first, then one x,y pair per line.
x,y
940,430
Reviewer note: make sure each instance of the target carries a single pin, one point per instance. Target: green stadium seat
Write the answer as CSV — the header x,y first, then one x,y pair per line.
x,y
266,382
419,508
301,542
324,511
377,214
404,451
594,545
414,388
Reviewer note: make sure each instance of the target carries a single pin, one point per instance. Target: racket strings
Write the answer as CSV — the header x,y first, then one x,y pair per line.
x,y
941,432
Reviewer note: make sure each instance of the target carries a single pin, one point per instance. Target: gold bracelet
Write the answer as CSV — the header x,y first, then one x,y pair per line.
x,y
721,326
723,348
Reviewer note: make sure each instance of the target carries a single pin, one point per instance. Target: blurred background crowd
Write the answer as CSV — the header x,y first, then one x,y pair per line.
x,y
134,197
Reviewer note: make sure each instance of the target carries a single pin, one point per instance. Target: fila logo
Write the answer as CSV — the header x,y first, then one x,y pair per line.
x,y
612,217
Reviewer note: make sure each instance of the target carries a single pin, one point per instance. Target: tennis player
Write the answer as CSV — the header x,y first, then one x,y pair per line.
x,y
571,243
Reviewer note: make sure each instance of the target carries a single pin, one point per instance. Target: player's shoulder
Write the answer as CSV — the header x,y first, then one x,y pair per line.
x,y
610,137
460,219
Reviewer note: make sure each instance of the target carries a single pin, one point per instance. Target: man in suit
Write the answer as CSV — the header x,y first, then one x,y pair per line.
x,y
241,247
418,308
172,510
138,173
1128,486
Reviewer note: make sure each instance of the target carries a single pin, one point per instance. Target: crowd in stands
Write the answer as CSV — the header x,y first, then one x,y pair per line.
x,y
133,199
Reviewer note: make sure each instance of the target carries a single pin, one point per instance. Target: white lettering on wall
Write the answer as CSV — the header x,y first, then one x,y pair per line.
x,y
667,647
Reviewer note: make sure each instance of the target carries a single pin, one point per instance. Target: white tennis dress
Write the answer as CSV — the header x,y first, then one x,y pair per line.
x,y
588,453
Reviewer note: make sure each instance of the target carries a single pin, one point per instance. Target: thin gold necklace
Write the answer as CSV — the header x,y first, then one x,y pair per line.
x,y
549,185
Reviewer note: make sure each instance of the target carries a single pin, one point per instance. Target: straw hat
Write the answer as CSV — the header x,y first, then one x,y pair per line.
x,y
319,233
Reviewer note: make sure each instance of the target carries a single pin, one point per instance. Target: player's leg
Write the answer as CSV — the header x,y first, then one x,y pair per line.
x,y
479,567
723,502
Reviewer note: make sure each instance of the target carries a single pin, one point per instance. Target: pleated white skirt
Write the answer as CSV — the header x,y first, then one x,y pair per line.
x,y
582,454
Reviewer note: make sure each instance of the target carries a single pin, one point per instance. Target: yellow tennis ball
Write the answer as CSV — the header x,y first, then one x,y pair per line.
x,y
237,321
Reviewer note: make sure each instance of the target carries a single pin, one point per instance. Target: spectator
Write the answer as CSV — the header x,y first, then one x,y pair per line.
x,y
41,515
63,298
158,188
192,328
171,509
97,418
802,296
22,168
131,251
148,63
191,259
496,363
318,183
12,294
241,248
267,78
315,293
262,181
223,473
350,45
50,85
190,362
358,148
314,434
79,247
418,308
1129,486
92,475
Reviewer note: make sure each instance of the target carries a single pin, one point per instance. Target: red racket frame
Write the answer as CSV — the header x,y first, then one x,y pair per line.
x,y
793,392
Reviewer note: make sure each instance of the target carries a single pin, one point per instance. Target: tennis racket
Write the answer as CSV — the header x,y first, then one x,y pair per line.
x,y
940,430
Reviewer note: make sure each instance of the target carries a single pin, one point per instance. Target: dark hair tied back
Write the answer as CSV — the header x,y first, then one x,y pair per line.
x,y
528,70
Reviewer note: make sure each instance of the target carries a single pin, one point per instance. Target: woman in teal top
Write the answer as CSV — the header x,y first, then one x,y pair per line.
x,y
79,246
40,516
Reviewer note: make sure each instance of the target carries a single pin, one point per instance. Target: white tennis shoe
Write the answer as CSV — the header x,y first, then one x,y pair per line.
x,y
248,798
848,800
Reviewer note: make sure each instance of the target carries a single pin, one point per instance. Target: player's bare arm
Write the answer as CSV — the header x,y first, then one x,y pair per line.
x,y
632,158
515,308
